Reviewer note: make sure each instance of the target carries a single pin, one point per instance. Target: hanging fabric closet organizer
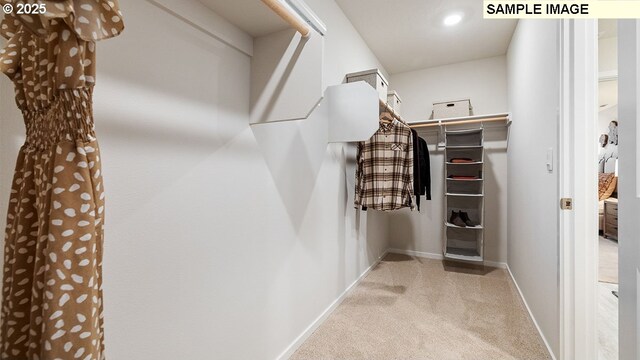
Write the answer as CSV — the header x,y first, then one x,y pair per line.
x,y
52,287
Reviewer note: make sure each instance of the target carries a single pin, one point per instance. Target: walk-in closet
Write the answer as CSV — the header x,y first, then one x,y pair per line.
x,y
311,179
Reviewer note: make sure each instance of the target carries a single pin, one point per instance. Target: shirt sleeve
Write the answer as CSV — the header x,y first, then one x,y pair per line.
x,y
10,55
416,167
425,177
408,167
357,201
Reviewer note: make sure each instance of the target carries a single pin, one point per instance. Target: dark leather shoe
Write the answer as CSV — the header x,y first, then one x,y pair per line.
x,y
456,220
465,218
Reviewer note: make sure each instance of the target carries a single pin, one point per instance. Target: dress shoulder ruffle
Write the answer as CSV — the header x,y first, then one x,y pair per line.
x,y
90,20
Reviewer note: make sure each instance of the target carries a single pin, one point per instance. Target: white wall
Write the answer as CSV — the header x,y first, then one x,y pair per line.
x,y
605,117
607,65
629,189
485,83
608,55
534,78
207,255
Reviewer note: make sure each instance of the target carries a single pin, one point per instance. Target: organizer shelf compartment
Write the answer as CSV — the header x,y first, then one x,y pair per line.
x,y
464,245
471,154
477,227
464,187
464,147
473,170
464,194
464,138
467,163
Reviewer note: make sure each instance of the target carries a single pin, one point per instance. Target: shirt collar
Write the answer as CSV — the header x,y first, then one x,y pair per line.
x,y
388,127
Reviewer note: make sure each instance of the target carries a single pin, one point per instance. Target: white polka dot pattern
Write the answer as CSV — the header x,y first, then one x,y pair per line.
x,y
52,287
55,50
53,257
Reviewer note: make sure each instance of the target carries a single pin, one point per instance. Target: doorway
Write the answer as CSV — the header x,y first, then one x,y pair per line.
x,y
608,179
579,131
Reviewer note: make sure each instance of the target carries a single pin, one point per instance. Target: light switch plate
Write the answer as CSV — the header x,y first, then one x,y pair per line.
x,y
550,160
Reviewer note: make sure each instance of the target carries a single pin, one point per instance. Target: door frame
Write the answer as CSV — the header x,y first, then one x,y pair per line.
x,y
577,154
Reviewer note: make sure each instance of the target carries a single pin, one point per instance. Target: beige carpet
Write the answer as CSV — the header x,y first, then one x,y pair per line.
x,y
608,262
409,308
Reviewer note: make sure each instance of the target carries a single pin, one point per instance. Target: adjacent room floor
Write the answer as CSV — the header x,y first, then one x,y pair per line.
x,y
608,261
415,308
607,301
607,322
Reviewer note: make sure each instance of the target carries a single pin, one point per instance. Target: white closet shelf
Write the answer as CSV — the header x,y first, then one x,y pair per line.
x,y
465,195
469,163
477,227
465,179
500,117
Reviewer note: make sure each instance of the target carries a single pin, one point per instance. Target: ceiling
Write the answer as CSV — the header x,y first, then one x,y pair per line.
x,y
251,16
409,35
405,35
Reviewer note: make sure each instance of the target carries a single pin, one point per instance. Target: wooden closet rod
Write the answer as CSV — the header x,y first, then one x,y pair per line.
x,y
286,15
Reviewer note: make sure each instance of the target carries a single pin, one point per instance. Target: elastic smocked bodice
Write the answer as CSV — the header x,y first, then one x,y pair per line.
x,y
68,117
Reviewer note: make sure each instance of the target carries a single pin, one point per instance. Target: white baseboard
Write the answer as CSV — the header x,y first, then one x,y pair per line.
x,y
325,314
434,256
544,339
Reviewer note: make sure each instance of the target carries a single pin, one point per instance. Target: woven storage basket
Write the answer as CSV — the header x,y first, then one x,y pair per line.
x,y
452,109
374,78
394,101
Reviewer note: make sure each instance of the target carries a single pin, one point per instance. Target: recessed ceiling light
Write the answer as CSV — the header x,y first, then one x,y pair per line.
x,y
452,19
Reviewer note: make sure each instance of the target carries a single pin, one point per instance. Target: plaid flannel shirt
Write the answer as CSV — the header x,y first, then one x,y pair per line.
x,y
384,172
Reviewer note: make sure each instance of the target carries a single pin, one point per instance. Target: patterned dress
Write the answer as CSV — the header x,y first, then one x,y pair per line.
x,y
52,285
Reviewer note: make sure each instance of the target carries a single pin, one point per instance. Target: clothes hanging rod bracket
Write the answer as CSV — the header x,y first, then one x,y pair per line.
x,y
302,9
288,16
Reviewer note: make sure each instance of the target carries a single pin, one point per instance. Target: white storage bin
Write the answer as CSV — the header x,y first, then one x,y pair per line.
x,y
394,101
452,109
374,78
